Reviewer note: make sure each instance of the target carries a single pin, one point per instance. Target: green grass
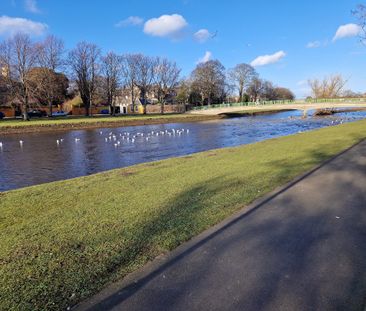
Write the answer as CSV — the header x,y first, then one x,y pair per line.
x,y
80,120
63,241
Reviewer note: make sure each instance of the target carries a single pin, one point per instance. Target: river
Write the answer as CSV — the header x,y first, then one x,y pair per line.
x,y
34,158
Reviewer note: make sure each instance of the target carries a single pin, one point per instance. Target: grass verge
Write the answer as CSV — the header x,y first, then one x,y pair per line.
x,y
63,241
37,125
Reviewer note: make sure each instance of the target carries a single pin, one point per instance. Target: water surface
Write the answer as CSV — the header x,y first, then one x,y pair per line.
x,y
41,159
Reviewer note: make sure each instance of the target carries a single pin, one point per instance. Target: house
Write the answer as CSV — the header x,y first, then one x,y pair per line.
x,y
123,105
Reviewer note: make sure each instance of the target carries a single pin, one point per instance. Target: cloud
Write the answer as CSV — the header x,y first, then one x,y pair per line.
x,y
302,83
348,30
31,6
130,21
202,35
165,26
314,45
13,25
205,58
268,59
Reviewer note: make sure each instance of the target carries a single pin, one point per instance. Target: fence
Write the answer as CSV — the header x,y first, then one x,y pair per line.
x,y
280,102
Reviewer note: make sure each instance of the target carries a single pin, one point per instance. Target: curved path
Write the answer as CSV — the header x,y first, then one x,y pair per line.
x,y
300,106
300,248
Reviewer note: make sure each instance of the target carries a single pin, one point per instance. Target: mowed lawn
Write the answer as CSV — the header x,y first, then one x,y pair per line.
x,y
63,241
81,120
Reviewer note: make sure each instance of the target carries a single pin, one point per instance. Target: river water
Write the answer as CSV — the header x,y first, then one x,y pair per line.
x,y
34,158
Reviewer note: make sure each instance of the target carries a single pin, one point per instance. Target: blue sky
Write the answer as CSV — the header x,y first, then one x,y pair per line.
x,y
297,36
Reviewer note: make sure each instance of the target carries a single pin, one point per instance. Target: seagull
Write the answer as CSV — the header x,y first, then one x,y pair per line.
x,y
214,34
21,143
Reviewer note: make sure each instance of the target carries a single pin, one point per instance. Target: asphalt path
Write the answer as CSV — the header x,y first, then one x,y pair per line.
x,y
302,247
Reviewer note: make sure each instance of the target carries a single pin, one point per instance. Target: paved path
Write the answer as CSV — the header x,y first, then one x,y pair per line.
x,y
302,249
300,106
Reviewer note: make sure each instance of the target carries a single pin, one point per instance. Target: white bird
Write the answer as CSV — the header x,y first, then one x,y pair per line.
x,y
57,142
1,145
187,131
77,139
21,143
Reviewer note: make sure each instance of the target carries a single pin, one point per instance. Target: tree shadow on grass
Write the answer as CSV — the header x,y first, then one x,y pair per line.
x,y
285,253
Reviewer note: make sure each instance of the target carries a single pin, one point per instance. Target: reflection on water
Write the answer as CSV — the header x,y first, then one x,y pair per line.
x,y
45,157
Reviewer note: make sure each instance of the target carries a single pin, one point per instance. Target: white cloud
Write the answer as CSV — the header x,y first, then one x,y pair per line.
x,y
348,30
302,83
31,6
314,44
268,59
13,25
205,58
130,21
165,26
202,35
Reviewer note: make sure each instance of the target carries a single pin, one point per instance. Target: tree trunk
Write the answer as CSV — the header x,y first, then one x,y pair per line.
x,y
240,96
50,109
143,95
162,107
25,110
86,106
133,100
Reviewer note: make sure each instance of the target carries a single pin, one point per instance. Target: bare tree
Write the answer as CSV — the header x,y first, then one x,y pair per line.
x,y
144,76
166,78
241,76
129,72
18,57
269,91
360,13
48,87
111,68
184,90
50,58
209,78
284,93
255,89
328,87
84,63
8,84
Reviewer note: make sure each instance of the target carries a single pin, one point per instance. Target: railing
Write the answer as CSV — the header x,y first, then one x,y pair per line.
x,y
280,102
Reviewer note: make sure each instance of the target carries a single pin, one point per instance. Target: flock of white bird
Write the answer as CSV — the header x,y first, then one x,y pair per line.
x,y
126,137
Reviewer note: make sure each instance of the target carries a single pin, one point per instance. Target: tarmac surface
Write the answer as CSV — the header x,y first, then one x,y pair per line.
x,y
302,247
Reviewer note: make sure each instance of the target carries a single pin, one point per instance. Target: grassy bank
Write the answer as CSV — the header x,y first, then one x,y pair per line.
x,y
38,125
63,241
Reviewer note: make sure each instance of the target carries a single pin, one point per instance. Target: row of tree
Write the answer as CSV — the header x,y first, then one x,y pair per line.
x,y
46,72
211,83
